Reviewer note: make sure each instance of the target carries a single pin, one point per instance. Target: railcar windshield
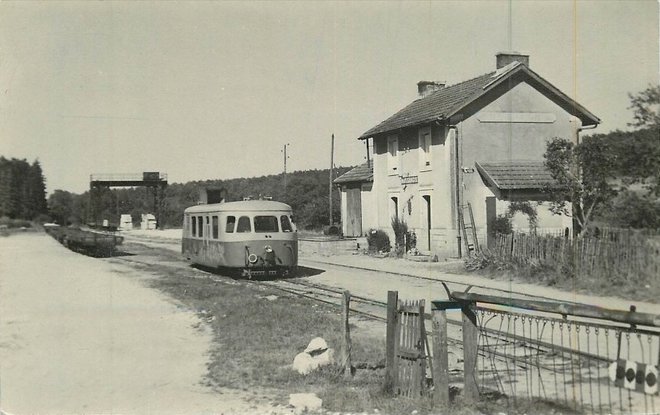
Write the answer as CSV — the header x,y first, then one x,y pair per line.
x,y
244,224
266,224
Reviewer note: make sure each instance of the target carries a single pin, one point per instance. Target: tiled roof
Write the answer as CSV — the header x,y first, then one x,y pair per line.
x,y
433,107
516,175
445,102
360,174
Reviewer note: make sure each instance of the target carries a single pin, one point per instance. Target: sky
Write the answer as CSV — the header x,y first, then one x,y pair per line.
x,y
214,90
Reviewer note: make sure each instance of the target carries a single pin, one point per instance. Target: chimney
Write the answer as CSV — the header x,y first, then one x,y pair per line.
x,y
505,58
426,88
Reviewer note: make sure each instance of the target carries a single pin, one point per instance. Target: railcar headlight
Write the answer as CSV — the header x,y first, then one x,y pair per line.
x,y
252,258
268,249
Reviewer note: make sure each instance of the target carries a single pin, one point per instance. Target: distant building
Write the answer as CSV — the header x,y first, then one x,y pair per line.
x,y
357,200
125,222
148,222
479,142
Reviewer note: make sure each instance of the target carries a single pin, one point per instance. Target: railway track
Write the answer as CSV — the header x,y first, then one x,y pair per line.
x,y
539,358
368,308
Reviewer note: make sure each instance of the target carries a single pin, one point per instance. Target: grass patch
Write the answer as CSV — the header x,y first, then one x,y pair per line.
x,y
565,278
256,340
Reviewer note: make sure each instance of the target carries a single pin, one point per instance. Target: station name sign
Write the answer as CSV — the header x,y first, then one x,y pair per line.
x,y
409,179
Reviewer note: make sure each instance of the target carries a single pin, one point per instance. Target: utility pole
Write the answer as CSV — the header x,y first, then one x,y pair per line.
x,y
332,154
285,157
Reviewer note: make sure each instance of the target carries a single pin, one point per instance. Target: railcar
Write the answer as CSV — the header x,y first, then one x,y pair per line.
x,y
254,237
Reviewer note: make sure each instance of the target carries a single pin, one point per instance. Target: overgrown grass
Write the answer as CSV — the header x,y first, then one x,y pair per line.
x,y
257,338
565,278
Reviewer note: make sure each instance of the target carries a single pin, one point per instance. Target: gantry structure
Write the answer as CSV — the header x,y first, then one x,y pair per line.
x,y
154,181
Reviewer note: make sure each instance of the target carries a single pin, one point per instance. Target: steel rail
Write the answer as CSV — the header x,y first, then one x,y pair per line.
x,y
491,332
435,280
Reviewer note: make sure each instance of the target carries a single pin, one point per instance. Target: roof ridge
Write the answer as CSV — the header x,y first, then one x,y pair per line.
x,y
492,73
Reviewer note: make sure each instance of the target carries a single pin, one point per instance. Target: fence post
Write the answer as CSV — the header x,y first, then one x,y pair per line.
x,y
470,343
440,358
390,338
348,367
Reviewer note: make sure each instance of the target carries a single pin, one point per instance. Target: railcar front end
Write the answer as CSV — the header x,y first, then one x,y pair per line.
x,y
252,237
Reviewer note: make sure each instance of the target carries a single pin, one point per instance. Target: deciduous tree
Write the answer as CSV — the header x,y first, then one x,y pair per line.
x,y
646,107
584,174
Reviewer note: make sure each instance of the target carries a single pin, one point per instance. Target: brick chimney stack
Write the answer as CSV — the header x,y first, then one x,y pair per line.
x,y
505,58
426,88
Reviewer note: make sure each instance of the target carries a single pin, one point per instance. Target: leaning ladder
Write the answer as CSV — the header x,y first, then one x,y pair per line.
x,y
471,241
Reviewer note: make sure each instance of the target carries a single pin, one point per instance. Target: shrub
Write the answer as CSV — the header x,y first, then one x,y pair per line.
x,y
400,229
15,223
501,224
411,240
332,230
378,241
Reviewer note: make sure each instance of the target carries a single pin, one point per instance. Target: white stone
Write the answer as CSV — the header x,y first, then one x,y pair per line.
x,y
303,363
317,343
305,401
325,358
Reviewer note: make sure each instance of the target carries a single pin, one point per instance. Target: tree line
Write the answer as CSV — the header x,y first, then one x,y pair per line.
x,y
306,191
22,190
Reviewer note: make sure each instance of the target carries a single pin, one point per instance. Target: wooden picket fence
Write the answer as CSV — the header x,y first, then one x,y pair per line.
x,y
407,347
625,254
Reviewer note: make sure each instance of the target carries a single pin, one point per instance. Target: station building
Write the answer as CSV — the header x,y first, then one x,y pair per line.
x,y
474,146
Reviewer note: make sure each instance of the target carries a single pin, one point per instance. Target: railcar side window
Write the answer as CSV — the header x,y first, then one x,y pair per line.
x,y
200,226
286,224
265,224
193,221
215,227
243,224
231,222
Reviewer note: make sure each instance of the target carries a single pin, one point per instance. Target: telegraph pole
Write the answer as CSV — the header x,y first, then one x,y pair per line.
x,y
285,157
332,154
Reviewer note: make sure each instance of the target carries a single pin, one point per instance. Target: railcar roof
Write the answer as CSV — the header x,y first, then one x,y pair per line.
x,y
245,206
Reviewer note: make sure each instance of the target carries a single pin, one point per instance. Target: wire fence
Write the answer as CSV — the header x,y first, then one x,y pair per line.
x,y
582,366
580,358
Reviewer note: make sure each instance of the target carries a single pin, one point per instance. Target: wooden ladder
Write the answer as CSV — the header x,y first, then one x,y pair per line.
x,y
470,238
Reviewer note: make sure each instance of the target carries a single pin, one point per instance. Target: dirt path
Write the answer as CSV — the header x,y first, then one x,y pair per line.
x,y
79,335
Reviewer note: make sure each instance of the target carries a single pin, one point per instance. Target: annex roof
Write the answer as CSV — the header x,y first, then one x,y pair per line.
x,y
360,174
445,102
516,175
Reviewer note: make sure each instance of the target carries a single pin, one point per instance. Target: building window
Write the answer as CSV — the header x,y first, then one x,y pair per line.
x,y
392,155
215,227
425,149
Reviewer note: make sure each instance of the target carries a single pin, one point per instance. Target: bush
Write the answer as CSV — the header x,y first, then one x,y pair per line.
x,y
332,230
15,223
400,229
378,241
501,224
